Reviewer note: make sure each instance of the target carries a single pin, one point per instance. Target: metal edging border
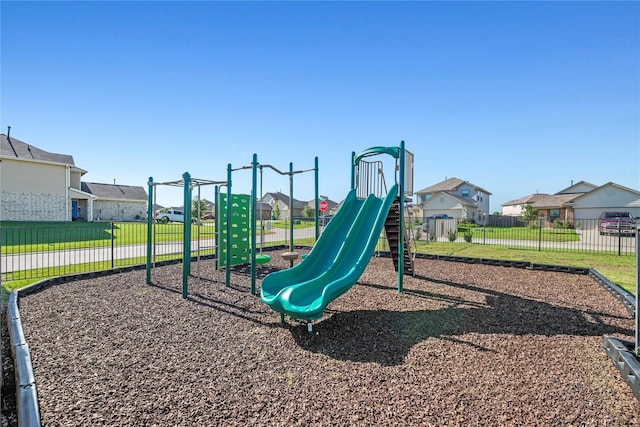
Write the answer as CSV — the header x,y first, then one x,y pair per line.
x,y
26,389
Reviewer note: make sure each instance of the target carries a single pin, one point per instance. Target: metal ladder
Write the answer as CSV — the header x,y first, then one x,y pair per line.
x,y
392,230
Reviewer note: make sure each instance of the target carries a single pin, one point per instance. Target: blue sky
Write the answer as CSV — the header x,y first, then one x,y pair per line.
x,y
515,97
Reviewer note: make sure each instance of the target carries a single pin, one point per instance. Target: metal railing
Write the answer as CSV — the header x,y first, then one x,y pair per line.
x,y
39,252
583,236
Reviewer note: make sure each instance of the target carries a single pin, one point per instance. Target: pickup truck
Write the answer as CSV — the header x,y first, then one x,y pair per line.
x,y
616,222
167,215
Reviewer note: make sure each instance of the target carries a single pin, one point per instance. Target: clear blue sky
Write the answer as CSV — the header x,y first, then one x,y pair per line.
x,y
515,97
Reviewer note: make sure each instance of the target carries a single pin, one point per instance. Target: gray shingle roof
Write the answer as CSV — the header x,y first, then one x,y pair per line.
x,y
540,201
11,147
297,204
523,200
115,191
553,201
449,186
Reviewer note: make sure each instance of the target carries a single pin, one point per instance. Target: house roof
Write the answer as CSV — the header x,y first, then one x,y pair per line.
x,y
609,185
115,191
578,188
523,200
543,200
621,187
297,204
263,206
449,185
11,147
553,201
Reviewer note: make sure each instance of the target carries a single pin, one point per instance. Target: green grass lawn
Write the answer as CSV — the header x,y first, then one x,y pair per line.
x,y
297,224
521,233
619,269
17,237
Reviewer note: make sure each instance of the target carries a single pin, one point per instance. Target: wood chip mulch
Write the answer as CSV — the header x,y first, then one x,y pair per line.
x,y
462,345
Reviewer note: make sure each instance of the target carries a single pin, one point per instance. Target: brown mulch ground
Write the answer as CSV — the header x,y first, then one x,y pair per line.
x,y
463,345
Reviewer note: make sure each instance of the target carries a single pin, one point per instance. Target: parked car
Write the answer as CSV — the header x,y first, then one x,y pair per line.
x,y
167,215
616,222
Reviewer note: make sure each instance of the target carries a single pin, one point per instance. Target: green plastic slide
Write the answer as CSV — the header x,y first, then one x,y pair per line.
x,y
335,263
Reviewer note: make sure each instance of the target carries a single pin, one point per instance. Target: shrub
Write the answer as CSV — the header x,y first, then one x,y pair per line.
x,y
467,236
563,225
452,235
533,225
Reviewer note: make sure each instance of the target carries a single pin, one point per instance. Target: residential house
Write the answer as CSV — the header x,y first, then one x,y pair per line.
x,y
263,210
454,198
37,185
114,202
279,204
578,202
607,197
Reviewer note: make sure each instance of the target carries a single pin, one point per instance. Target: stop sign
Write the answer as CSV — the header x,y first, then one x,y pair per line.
x,y
323,205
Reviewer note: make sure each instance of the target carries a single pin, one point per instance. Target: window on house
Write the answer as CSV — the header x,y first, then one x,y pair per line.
x,y
465,193
554,214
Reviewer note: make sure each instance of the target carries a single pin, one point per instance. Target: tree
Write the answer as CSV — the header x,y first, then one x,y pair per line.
x,y
194,208
529,213
276,211
307,212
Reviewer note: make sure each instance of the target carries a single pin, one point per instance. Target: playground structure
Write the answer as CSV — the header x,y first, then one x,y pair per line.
x,y
188,184
235,222
255,166
338,257
342,252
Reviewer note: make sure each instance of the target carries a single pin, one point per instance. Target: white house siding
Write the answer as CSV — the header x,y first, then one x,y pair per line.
x,y
33,191
119,210
75,178
482,201
514,210
32,177
33,206
578,188
441,204
605,198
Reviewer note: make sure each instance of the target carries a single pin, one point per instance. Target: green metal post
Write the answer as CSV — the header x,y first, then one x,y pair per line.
x,y
353,170
637,291
228,242
254,222
186,254
317,200
149,229
291,210
216,221
401,207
